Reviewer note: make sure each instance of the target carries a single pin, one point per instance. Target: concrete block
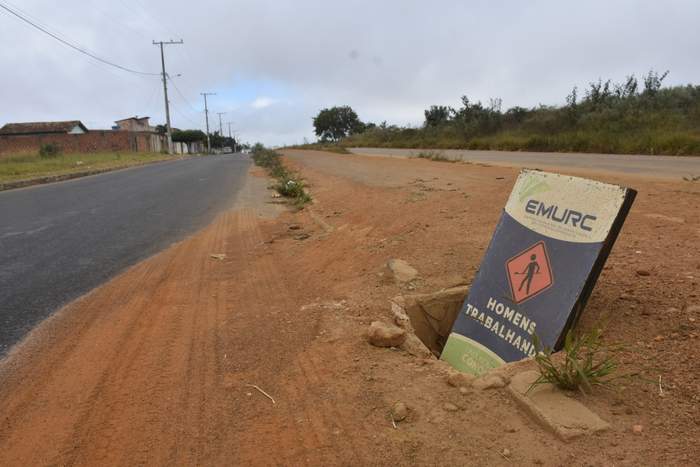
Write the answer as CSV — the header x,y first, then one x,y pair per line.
x,y
549,406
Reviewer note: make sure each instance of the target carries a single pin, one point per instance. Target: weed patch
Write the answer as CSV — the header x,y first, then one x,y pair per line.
x,y
288,185
337,149
586,362
434,156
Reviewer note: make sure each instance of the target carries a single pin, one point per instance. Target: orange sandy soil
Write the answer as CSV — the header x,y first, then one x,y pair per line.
x,y
154,367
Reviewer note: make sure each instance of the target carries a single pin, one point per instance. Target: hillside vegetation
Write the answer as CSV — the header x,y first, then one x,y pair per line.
x,y
628,117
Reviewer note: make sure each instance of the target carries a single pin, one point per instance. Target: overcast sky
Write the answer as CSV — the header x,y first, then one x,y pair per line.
x,y
275,63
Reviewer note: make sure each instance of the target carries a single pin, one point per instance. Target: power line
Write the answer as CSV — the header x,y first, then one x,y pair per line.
x,y
183,96
71,45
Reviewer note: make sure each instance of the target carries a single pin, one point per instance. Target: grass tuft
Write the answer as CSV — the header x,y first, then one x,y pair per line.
x,y
586,363
434,156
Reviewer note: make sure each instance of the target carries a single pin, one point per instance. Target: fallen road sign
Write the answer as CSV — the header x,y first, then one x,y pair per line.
x,y
544,258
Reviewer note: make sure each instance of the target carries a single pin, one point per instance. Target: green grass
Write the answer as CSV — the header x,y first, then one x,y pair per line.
x,y
586,362
657,121
434,156
326,147
26,167
289,185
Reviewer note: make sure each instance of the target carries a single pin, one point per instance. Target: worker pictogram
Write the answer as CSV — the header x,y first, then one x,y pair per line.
x,y
529,273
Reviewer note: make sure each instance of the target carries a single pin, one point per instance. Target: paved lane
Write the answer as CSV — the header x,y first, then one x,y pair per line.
x,y
59,241
667,167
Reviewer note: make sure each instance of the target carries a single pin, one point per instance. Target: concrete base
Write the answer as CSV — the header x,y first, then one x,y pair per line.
x,y
564,416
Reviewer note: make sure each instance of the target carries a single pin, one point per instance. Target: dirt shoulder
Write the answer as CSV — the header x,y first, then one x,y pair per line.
x,y
156,366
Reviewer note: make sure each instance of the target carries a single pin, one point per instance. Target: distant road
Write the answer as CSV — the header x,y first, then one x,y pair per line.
x,y
61,240
667,167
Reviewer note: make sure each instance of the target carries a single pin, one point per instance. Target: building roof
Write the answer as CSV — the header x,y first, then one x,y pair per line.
x,y
32,128
132,118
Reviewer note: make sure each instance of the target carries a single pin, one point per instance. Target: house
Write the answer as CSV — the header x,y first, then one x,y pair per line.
x,y
134,124
72,127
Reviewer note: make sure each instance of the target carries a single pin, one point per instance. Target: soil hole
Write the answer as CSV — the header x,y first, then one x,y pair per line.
x,y
432,315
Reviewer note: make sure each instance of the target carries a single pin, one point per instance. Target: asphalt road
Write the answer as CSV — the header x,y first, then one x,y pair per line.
x,y
61,240
666,167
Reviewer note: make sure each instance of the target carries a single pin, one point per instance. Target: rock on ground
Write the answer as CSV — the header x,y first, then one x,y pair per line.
x,y
399,411
459,379
402,271
489,382
385,335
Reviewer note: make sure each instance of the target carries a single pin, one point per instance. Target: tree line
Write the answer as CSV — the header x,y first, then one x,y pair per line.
x,y
631,116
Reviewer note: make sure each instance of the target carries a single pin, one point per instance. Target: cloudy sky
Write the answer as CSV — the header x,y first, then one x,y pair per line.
x,y
275,63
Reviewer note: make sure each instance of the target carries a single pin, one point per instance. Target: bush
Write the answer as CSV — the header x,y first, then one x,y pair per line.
x,y
609,118
49,150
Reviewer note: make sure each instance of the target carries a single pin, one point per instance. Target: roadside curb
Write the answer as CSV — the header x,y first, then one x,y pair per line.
x,y
69,176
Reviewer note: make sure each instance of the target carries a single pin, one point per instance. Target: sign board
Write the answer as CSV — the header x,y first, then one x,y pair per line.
x,y
544,258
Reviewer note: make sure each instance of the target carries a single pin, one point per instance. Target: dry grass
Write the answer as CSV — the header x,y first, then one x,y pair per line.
x,y
27,166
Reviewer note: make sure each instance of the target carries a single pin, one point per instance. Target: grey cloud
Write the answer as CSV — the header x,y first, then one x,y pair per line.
x,y
389,59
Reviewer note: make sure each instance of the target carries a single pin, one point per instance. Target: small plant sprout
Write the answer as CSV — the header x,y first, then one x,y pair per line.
x,y
586,362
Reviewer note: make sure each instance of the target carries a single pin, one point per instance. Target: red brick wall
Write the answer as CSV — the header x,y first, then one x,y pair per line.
x,y
93,141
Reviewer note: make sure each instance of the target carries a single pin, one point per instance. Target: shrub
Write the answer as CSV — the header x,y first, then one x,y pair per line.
x,y
49,150
605,117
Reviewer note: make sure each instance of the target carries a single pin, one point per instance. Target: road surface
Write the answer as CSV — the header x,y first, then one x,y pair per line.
x,y
666,167
61,240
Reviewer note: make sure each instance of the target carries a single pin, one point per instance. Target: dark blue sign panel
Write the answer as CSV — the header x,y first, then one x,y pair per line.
x,y
539,270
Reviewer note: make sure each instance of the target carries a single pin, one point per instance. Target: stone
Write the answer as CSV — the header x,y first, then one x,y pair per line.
x,y
400,317
302,236
459,379
693,309
385,335
464,390
295,227
549,406
450,407
643,272
399,412
637,429
489,382
401,270
415,347
505,452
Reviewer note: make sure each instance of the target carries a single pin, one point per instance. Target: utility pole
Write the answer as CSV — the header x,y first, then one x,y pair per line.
x,y
229,135
168,129
221,128
206,114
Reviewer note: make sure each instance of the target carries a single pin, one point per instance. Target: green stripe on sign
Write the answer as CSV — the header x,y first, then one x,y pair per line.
x,y
468,356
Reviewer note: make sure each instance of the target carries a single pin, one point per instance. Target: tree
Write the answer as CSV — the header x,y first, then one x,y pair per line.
x,y
188,136
437,115
336,123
